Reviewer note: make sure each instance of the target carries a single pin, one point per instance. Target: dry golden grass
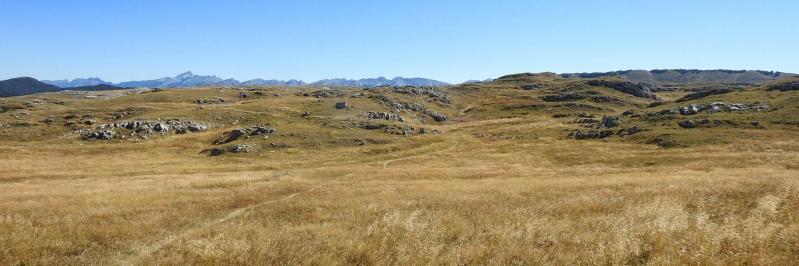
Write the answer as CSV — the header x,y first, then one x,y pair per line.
x,y
503,191
462,201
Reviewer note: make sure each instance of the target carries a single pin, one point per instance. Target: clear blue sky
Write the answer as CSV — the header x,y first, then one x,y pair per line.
x,y
451,41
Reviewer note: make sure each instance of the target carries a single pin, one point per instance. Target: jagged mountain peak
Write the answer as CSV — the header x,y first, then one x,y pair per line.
x,y
185,75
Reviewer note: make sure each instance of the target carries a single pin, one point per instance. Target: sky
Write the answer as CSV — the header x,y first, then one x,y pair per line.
x,y
452,41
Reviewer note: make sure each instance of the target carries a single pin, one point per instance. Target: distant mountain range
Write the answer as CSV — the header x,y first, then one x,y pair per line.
x,y
689,75
381,81
65,83
188,79
26,85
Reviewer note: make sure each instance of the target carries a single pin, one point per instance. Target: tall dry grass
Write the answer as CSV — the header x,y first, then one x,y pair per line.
x,y
482,193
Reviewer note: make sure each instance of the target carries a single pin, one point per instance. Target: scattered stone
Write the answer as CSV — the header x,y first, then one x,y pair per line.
x,y
396,129
532,86
755,123
160,127
214,100
587,120
342,105
240,148
690,110
306,114
564,97
217,151
99,135
231,136
143,129
788,86
49,120
279,145
243,95
591,134
629,131
120,115
197,127
610,121
383,116
436,94
664,142
327,94
687,124
560,115
429,131
88,121
262,130
398,106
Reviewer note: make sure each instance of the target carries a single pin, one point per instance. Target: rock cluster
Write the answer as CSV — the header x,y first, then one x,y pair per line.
x,y
98,135
640,89
342,105
214,100
383,116
610,121
239,148
571,96
687,124
603,133
326,94
433,93
120,115
721,107
532,86
396,129
590,134
788,86
142,129
398,106
258,130
629,131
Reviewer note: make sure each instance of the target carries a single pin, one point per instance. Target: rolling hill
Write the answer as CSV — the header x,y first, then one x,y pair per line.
x,y
682,76
24,86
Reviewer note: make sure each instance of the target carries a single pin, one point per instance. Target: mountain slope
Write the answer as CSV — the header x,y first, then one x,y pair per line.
x,y
98,87
187,79
682,76
24,86
273,82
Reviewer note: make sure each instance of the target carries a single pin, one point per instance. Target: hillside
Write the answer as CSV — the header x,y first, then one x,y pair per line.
x,y
529,168
24,86
682,76
98,87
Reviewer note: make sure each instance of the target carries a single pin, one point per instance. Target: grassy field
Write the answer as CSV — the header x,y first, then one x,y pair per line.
x,y
500,185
